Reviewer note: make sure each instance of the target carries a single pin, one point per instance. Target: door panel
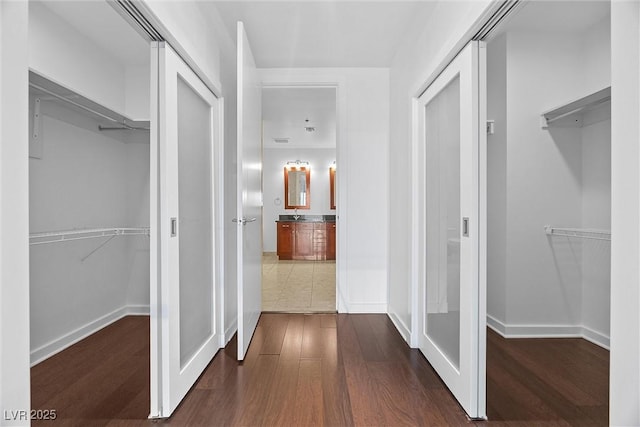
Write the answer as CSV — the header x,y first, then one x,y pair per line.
x,y
249,195
442,142
184,332
195,220
450,147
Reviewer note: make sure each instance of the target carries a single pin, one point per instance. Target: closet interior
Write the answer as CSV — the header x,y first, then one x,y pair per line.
x,y
549,173
89,173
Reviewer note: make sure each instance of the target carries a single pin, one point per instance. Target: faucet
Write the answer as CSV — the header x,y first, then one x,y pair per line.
x,y
295,214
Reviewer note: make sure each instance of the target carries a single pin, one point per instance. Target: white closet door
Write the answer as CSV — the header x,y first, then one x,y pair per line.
x,y
249,217
184,305
451,292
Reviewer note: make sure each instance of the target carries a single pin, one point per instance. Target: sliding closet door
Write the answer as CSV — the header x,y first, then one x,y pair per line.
x,y
450,144
184,328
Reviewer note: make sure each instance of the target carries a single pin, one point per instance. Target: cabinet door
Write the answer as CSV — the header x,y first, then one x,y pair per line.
x,y
331,240
303,248
285,240
320,241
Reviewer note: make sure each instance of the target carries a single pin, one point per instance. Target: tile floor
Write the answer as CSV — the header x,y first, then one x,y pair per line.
x,y
298,286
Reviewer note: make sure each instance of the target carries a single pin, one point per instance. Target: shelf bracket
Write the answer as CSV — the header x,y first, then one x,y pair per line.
x,y
35,142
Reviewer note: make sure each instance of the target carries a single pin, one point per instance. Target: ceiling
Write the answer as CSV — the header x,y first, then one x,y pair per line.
x,y
558,16
285,111
330,33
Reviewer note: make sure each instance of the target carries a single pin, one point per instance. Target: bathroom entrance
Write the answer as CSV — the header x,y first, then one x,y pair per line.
x,y
299,199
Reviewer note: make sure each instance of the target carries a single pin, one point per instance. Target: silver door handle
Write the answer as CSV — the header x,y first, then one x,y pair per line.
x,y
465,227
243,220
174,227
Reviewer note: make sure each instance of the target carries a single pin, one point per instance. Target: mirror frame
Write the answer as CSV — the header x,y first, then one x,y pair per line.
x,y
332,187
286,187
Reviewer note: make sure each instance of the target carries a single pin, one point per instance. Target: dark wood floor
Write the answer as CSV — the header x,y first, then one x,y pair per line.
x,y
329,370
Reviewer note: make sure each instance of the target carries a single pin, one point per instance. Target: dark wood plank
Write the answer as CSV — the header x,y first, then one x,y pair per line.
x,y
364,407
367,339
275,327
335,393
313,338
280,409
327,320
309,410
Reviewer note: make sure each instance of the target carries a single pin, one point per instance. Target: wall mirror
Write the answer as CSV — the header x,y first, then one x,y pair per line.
x,y
297,186
332,187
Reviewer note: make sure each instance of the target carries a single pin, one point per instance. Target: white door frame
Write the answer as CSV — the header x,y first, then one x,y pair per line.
x,y
279,79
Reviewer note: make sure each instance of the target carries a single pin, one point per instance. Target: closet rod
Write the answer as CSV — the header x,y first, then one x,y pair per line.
x,y
92,233
582,233
123,126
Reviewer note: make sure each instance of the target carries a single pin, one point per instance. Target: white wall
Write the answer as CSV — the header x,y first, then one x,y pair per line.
x,y
624,391
14,205
540,285
427,42
543,182
64,55
362,152
273,162
85,179
137,215
497,178
596,214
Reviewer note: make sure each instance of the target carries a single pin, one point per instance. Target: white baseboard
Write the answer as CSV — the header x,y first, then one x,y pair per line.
x,y
596,337
343,307
366,308
53,347
547,331
401,327
229,332
137,310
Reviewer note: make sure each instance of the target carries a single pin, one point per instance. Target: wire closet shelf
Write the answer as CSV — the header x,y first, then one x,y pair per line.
x,y
82,234
581,233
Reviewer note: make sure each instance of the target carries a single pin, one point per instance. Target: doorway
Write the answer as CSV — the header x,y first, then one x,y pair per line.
x,y
549,211
300,199
89,174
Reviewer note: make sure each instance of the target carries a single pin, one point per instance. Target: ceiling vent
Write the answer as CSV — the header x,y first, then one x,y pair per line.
x,y
308,126
281,140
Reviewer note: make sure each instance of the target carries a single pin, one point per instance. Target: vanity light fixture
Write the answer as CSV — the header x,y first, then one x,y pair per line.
x,y
297,164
